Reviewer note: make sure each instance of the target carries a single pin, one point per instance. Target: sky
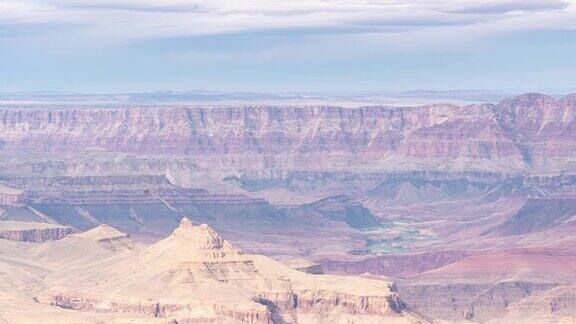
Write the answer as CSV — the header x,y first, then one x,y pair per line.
x,y
115,46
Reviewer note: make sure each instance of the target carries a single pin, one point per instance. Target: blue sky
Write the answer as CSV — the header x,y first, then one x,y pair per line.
x,y
301,45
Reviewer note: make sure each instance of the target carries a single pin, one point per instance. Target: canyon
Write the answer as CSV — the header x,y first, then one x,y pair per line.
x,y
453,213
529,132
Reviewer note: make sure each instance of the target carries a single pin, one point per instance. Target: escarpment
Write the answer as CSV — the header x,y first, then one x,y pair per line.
x,y
529,132
33,231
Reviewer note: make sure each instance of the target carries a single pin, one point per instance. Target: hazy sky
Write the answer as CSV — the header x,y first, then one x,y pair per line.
x,y
286,45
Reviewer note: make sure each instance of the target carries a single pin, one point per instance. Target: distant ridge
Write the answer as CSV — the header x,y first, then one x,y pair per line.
x,y
348,98
526,133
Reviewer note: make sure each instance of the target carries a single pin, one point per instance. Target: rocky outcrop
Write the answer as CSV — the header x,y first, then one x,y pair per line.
x,y
210,312
33,232
306,302
37,235
538,214
558,303
491,284
394,265
195,274
304,265
337,208
108,238
157,210
106,180
175,195
474,302
11,197
540,126
312,269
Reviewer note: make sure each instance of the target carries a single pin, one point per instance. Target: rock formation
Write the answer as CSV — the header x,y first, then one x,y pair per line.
x,y
195,274
33,231
11,197
489,285
304,265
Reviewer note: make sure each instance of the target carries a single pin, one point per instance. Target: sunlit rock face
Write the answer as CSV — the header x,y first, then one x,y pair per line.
x,y
193,275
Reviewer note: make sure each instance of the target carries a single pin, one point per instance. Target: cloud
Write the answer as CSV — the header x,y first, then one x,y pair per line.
x,y
502,7
145,19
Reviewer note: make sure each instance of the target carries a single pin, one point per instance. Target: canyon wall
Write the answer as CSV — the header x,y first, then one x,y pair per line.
x,y
528,132
33,231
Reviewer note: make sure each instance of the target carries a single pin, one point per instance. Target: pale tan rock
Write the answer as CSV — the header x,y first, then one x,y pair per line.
x,y
195,274
192,276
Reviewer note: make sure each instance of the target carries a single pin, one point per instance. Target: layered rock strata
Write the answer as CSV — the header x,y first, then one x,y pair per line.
x,y
11,197
33,231
194,273
529,132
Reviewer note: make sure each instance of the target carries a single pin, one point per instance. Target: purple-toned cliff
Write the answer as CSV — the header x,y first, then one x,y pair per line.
x,y
531,131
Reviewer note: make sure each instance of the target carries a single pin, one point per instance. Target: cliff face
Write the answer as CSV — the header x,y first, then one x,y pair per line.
x,y
32,231
308,306
474,302
11,197
336,208
530,131
400,266
492,284
539,214
558,302
223,313
37,235
541,127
